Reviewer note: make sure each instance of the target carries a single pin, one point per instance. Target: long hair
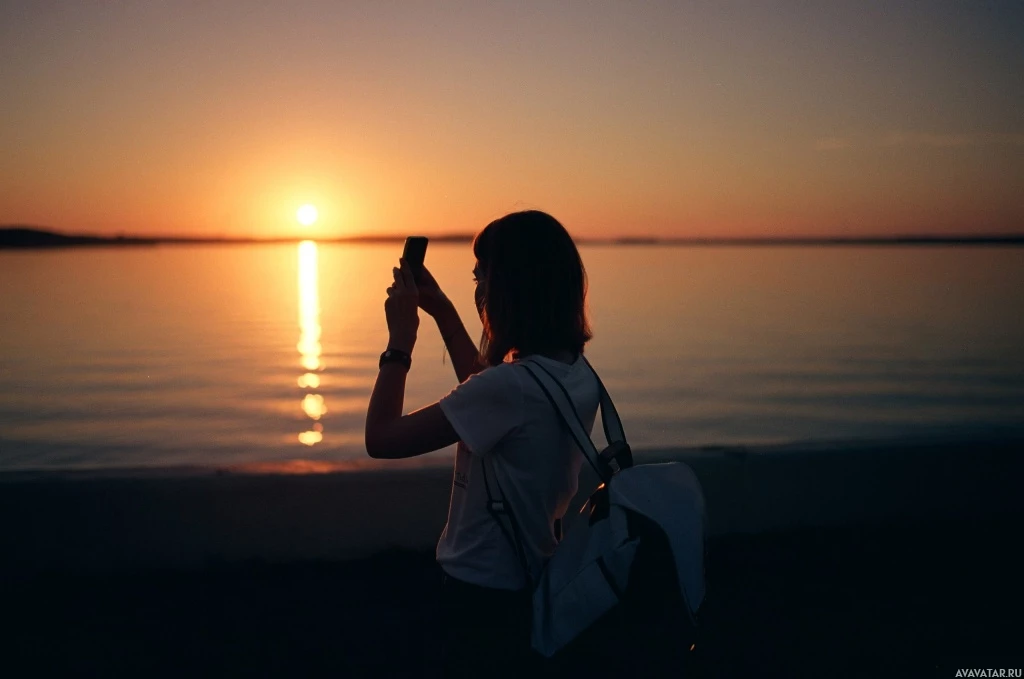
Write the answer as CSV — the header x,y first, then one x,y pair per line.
x,y
533,287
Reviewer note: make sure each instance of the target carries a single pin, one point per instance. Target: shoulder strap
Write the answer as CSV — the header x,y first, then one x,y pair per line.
x,y
606,463
609,416
613,458
501,512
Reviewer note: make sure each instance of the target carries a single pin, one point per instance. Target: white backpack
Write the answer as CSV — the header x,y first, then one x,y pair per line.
x,y
590,570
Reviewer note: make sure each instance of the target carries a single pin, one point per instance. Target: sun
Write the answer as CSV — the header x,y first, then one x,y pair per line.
x,y
307,214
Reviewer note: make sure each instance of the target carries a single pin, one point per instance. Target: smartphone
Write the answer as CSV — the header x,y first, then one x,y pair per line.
x,y
415,251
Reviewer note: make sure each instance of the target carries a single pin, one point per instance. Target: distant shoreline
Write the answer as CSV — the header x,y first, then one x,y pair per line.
x,y
20,237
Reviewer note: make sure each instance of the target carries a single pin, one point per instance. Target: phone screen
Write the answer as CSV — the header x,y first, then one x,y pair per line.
x,y
415,250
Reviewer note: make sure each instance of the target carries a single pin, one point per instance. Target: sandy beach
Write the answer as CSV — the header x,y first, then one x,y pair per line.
x,y
841,560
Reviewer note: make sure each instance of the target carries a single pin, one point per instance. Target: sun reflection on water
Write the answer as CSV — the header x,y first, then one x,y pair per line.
x,y
313,406
309,346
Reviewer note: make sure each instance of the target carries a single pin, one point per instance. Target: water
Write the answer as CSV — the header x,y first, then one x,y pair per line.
x,y
240,355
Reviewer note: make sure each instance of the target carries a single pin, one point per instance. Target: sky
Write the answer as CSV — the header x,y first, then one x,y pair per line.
x,y
688,119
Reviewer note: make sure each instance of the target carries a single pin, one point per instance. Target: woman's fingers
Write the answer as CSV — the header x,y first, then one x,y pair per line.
x,y
399,284
405,282
401,303
407,275
424,277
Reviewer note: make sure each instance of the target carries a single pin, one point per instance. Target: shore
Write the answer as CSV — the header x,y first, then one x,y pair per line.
x,y
914,599
850,560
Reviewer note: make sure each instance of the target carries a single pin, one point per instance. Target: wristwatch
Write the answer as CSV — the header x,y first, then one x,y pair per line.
x,y
395,356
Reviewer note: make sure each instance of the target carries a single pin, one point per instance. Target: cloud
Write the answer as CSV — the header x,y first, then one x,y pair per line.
x,y
832,144
926,139
929,140
911,140
1008,139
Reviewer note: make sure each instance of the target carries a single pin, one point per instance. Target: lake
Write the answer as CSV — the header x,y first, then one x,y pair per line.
x,y
228,355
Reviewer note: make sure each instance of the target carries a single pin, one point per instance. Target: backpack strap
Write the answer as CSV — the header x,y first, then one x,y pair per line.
x,y
606,463
501,512
617,455
610,421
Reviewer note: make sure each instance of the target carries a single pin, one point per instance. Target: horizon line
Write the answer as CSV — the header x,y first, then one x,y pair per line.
x,y
31,235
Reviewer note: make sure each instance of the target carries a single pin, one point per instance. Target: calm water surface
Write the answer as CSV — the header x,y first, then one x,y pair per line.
x,y
237,355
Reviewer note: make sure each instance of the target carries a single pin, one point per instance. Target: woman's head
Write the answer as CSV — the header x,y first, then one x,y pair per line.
x,y
531,287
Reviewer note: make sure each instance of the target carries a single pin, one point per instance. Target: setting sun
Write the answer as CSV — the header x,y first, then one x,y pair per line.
x,y
307,215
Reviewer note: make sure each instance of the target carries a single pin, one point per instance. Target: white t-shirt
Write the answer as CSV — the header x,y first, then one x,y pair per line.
x,y
502,413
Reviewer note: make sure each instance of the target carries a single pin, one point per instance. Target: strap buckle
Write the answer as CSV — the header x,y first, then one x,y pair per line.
x,y
618,456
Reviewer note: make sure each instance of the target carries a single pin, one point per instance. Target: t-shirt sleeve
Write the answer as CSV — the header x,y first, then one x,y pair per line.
x,y
485,408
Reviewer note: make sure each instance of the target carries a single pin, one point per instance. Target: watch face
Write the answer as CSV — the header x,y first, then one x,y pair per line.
x,y
396,356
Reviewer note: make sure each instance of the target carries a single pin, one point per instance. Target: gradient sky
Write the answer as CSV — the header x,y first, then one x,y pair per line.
x,y
669,118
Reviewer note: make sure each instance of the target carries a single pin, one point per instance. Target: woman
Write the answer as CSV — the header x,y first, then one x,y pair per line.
x,y
531,295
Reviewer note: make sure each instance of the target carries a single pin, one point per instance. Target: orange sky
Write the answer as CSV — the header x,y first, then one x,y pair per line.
x,y
675,119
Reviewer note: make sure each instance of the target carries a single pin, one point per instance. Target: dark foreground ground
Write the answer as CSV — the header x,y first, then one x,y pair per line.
x,y
908,600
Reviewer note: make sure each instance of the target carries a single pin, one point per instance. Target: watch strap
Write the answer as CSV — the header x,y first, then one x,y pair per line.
x,y
395,356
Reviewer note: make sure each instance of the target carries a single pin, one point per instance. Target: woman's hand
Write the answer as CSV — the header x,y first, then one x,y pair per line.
x,y
400,308
431,299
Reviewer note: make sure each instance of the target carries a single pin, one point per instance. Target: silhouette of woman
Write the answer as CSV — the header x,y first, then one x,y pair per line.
x,y
531,296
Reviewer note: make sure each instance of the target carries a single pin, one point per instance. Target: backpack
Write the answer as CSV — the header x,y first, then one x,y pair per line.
x,y
629,573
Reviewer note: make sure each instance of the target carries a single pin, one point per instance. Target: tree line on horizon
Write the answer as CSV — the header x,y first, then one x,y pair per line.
x,y
20,236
